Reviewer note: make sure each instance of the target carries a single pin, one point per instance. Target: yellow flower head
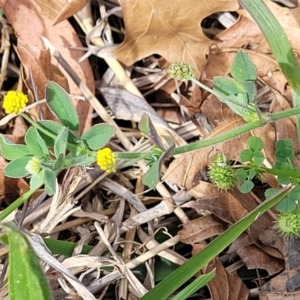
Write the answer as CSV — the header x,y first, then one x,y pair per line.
x,y
14,102
106,160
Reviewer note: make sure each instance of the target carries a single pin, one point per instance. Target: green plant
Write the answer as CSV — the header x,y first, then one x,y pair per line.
x,y
252,159
284,55
51,147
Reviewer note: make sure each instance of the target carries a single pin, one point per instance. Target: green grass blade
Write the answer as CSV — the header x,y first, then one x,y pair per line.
x,y
26,279
185,272
197,284
7,211
280,45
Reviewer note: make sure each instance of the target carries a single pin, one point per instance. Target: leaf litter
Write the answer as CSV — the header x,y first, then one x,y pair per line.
x,y
115,223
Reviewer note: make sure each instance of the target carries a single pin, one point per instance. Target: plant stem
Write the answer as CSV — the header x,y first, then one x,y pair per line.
x,y
273,171
39,127
235,132
131,155
7,211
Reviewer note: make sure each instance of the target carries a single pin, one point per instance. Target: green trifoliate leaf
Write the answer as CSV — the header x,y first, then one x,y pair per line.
x,y
255,143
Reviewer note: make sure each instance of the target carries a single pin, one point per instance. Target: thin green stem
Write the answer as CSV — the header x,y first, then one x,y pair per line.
x,y
38,126
7,211
131,155
273,171
236,132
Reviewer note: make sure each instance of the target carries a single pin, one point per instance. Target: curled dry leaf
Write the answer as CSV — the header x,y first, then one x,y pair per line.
x,y
225,285
200,229
173,31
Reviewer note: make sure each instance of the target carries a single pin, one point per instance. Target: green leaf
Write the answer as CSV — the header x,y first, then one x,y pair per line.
x,y
12,151
242,68
193,287
295,193
250,88
16,168
26,279
61,105
251,174
61,141
246,155
270,192
247,186
54,128
50,181
286,205
282,155
146,126
65,248
241,174
60,163
284,143
282,179
98,136
151,178
37,180
255,143
258,158
227,86
36,143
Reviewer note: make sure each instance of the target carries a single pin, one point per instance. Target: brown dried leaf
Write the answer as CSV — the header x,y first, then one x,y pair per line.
x,y
173,31
200,229
254,258
51,8
30,24
224,285
69,9
204,190
213,206
288,281
38,69
232,205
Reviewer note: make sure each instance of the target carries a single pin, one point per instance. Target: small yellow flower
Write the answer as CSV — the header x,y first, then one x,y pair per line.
x,y
14,102
33,166
106,160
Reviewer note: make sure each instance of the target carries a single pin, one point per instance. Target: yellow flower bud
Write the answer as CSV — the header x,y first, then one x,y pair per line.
x,y
106,160
14,102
